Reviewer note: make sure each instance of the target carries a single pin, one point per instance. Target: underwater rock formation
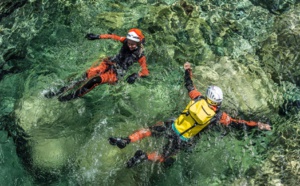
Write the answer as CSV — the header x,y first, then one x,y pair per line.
x,y
279,53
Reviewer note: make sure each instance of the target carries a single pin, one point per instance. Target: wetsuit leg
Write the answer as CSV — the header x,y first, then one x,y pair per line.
x,y
95,71
66,88
173,146
109,77
169,150
92,83
156,130
139,156
140,134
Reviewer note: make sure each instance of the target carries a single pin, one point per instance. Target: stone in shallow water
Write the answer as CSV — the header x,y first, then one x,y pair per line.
x,y
241,86
53,135
51,154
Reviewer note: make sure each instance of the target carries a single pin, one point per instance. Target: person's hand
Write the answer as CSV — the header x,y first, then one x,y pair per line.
x,y
187,65
263,126
131,79
92,36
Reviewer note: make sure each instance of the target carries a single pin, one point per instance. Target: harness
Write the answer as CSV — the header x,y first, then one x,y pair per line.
x,y
125,58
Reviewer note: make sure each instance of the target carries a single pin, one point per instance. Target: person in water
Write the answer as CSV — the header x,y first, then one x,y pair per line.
x,y
111,69
198,114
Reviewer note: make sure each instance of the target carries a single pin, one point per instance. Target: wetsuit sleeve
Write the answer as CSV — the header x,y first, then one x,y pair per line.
x,y
112,36
144,72
225,119
193,92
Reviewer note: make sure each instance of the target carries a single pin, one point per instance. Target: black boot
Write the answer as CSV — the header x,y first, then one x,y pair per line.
x,y
138,157
51,94
120,142
66,88
67,97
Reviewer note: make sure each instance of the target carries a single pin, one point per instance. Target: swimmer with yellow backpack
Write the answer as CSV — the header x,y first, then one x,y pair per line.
x,y
199,113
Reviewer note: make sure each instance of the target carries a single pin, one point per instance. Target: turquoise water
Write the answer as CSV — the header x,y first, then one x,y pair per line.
x,y
231,44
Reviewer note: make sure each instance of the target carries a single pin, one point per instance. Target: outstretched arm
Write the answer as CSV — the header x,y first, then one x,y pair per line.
x,y
226,120
193,92
144,72
92,36
112,36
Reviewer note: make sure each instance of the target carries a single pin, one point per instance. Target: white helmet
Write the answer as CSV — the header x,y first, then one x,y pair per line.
x,y
214,94
133,36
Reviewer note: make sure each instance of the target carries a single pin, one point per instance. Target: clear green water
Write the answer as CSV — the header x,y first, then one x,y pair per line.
x,y
67,142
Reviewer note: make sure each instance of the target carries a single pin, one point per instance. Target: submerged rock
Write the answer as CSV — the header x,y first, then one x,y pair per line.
x,y
7,7
279,53
246,88
50,133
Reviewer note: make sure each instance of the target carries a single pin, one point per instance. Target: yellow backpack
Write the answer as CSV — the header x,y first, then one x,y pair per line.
x,y
194,118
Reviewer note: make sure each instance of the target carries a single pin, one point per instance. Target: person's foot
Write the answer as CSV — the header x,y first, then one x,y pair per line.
x,y
67,97
50,94
120,142
138,157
